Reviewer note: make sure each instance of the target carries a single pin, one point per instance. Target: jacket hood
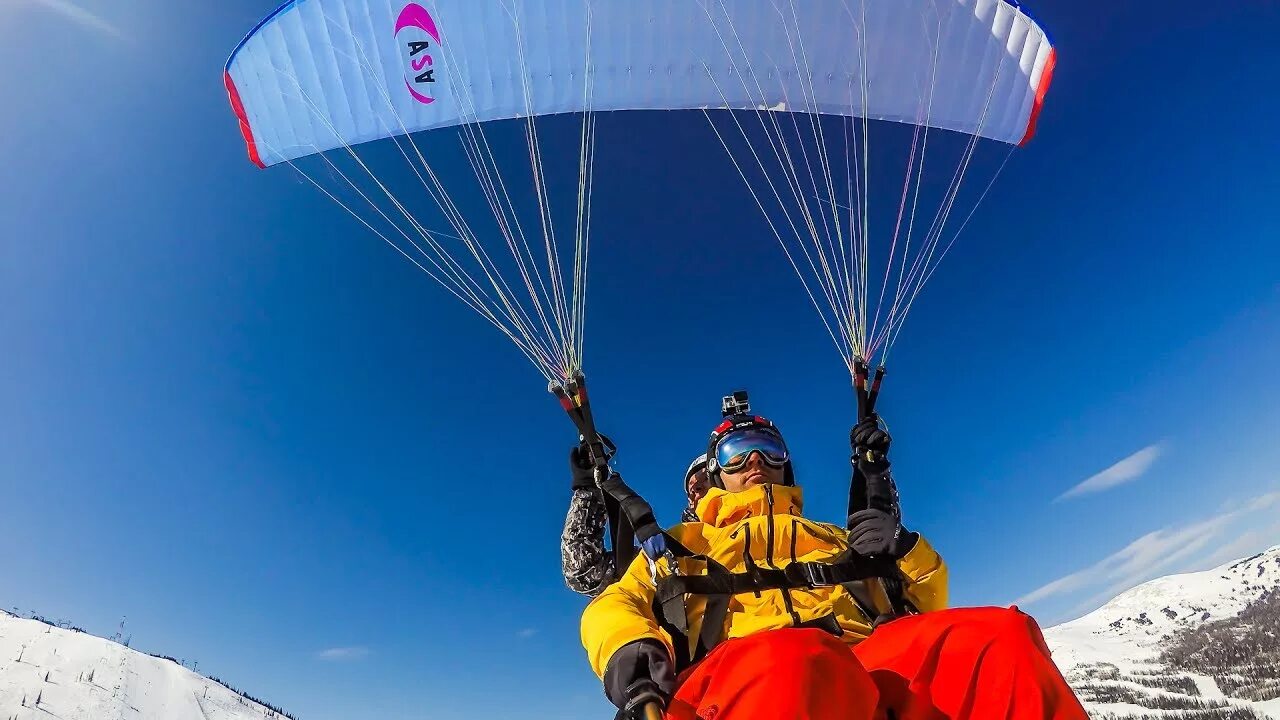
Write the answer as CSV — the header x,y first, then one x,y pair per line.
x,y
722,508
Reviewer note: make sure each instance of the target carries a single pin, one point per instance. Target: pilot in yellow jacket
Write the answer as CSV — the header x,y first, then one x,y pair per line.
x,y
762,526
795,636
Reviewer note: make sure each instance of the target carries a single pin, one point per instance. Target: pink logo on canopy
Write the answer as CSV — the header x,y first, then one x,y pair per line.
x,y
420,41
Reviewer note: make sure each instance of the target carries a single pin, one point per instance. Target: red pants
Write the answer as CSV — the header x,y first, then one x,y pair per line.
x,y
963,664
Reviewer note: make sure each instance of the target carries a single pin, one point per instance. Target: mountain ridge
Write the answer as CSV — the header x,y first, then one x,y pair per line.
x,y
47,670
1197,645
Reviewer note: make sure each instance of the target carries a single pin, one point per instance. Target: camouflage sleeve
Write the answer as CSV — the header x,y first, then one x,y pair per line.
x,y
587,567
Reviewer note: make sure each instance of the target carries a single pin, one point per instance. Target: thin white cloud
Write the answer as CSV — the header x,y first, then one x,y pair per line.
x,y
1164,553
339,654
79,15
1205,543
1245,545
1127,470
1065,584
527,633
1143,558
1263,502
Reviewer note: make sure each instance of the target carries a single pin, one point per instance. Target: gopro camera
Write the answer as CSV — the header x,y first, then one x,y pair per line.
x,y
735,404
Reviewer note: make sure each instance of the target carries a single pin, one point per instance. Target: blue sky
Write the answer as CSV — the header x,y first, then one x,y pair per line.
x,y
280,450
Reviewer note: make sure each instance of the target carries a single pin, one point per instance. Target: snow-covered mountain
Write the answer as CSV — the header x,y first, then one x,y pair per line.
x,y
50,672
1202,645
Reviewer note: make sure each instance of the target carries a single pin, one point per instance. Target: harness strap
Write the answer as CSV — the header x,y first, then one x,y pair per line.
x,y
621,536
713,614
669,609
638,513
861,597
630,517
828,623
796,575
718,585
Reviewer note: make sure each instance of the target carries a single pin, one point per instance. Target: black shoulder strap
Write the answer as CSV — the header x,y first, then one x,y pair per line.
x,y
857,590
621,537
670,611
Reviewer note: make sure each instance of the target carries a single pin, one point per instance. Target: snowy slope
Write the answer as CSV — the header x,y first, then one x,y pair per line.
x,y
90,678
1118,644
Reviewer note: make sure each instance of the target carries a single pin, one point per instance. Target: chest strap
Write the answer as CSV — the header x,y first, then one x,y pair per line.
x,y
718,585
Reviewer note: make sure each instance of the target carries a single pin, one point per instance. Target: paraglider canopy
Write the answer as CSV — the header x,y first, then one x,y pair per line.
x,y
322,74
328,75
792,90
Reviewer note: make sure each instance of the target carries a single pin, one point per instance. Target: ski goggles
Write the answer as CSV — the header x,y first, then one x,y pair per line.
x,y
732,451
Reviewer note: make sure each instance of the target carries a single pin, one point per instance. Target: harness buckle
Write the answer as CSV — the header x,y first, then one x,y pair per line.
x,y
817,574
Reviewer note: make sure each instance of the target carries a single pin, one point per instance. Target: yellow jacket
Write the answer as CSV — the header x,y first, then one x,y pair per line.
x,y
765,522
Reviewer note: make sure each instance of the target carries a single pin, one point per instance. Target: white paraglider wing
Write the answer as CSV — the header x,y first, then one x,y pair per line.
x,y
320,74
793,90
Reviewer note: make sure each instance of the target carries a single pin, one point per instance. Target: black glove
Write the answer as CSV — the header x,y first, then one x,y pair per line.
x,y
580,467
876,533
583,472
639,673
870,443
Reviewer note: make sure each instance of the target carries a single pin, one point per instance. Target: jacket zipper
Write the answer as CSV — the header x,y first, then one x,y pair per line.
x,y
749,561
768,556
786,593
